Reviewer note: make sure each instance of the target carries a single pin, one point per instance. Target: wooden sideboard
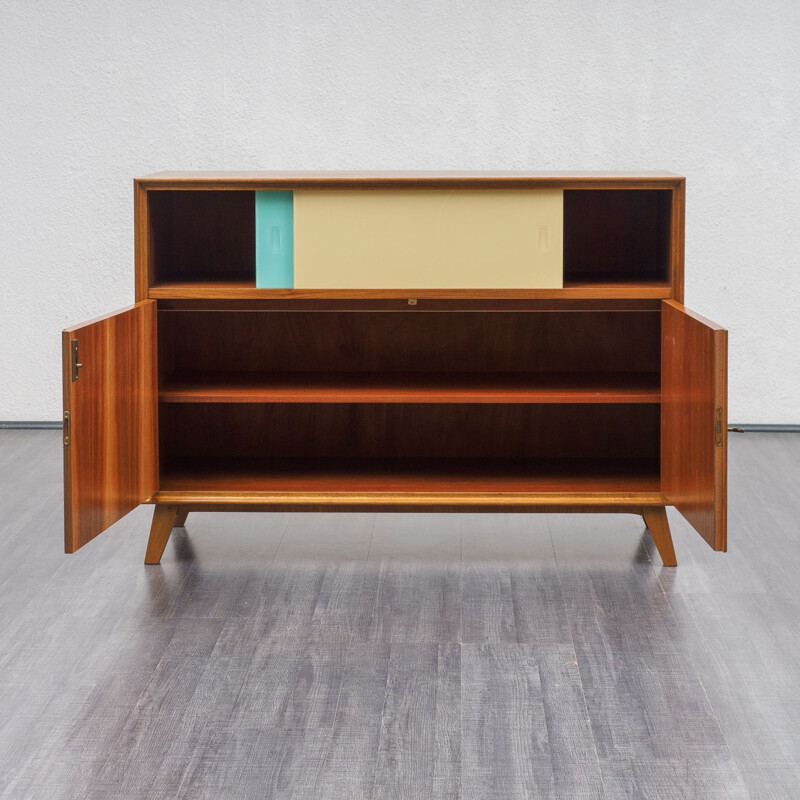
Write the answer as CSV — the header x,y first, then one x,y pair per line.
x,y
211,394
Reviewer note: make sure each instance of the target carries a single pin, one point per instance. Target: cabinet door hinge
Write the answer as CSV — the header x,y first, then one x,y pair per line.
x,y
76,365
67,430
718,427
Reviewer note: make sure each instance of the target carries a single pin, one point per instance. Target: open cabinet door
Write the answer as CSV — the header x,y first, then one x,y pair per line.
x,y
694,420
110,397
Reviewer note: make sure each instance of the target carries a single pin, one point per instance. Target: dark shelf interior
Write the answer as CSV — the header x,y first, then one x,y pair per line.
x,y
202,237
616,236
435,342
409,475
408,430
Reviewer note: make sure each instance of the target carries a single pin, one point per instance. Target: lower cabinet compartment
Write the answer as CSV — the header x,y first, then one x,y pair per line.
x,y
407,402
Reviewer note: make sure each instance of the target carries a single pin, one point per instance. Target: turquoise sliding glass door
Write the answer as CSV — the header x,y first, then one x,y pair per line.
x,y
274,240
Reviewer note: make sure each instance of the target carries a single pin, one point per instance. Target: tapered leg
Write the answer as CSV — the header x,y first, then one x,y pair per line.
x,y
655,517
180,517
163,519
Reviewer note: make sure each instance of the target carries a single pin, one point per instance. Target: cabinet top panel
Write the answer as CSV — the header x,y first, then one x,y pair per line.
x,y
341,179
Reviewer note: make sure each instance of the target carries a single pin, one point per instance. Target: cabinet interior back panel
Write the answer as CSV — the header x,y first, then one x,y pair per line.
x,y
428,239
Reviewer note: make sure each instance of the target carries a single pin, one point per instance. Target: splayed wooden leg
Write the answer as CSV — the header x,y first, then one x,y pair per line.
x,y
655,517
160,529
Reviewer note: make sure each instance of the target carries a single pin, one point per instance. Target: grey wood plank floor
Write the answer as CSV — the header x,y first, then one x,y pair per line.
x,y
400,656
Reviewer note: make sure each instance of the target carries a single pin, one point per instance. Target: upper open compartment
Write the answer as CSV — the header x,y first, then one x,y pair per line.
x,y
566,238
202,237
616,236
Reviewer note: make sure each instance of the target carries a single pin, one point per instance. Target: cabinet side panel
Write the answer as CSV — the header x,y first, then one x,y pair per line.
x,y
110,462
694,421
141,227
677,240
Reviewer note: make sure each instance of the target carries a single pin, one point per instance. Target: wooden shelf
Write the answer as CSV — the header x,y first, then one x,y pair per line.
x,y
486,478
245,290
417,387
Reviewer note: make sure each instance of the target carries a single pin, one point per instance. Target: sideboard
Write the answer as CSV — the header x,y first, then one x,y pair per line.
x,y
602,393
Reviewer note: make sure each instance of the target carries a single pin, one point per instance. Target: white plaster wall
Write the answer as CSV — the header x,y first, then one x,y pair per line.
x,y
93,93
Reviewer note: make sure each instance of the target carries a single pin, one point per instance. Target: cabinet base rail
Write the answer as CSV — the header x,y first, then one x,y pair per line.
x,y
167,516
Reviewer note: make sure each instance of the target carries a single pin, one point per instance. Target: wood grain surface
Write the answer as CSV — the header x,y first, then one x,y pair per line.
x,y
164,518
694,427
246,290
397,179
110,463
414,387
658,525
